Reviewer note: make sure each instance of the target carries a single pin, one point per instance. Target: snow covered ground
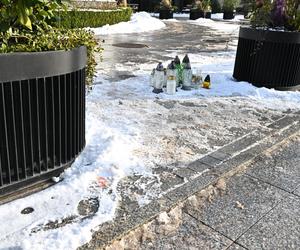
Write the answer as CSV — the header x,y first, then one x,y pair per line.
x,y
130,131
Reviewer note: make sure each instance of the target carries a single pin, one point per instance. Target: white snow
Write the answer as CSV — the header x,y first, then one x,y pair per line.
x,y
108,154
219,65
216,25
114,141
140,22
219,16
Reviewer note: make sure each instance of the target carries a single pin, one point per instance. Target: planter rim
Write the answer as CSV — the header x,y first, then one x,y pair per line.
x,y
19,66
269,35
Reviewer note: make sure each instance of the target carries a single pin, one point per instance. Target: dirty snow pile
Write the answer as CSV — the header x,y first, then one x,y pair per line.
x,y
106,159
140,22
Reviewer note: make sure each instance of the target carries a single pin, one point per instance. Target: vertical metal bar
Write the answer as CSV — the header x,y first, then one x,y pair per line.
x,y
74,109
31,164
46,125
59,97
71,122
1,178
38,125
14,132
6,136
1,152
65,120
53,121
83,109
80,109
22,130
76,112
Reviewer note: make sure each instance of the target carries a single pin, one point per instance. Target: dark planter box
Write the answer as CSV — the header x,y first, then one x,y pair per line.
x,y
228,15
195,14
165,14
42,117
207,15
268,58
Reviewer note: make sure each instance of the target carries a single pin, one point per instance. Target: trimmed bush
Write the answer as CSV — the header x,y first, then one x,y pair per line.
x,y
84,18
216,6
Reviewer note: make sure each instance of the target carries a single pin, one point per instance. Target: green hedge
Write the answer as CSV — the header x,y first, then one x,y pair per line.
x,y
93,19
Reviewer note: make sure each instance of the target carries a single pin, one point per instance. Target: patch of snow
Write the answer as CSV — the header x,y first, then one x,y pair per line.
x,y
216,25
108,154
219,65
140,22
181,15
219,16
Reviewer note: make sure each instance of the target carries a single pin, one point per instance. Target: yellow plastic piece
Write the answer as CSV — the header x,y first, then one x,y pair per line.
x,y
206,85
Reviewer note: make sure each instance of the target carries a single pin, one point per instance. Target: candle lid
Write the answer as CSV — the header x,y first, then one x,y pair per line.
x,y
160,67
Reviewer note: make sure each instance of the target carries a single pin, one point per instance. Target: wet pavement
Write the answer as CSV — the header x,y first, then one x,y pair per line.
x,y
126,53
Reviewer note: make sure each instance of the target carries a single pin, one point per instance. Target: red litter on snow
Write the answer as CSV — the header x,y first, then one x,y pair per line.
x,y
102,182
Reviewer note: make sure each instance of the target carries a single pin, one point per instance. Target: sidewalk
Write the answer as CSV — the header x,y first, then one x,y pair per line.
x,y
248,197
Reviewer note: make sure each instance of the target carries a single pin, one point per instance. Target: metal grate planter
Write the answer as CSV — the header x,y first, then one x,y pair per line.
x,y
228,15
165,14
268,58
42,115
195,14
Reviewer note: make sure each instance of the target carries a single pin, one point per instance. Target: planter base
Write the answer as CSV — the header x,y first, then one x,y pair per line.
x,y
30,186
208,15
195,14
165,14
268,58
228,15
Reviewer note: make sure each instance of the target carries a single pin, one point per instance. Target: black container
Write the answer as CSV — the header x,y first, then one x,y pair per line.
x,y
268,58
207,15
165,14
195,14
42,117
227,15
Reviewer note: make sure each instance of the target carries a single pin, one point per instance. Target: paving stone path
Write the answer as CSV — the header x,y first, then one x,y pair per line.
x,y
259,209
248,198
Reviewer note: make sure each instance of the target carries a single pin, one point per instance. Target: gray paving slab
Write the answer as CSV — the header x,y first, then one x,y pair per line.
x,y
190,235
198,166
244,142
297,191
282,169
235,246
243,203
219,155
283,122
189,188
280,229
184,172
